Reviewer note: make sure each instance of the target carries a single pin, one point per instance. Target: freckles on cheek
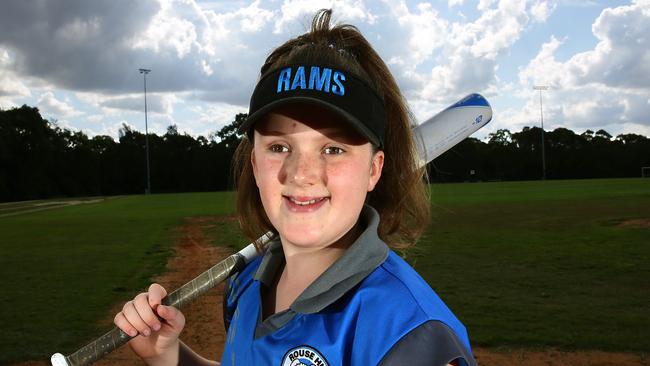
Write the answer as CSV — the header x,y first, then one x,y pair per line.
x,y
350,177
270,169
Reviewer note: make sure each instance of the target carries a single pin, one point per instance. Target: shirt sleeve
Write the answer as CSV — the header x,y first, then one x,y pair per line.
x,y
431,344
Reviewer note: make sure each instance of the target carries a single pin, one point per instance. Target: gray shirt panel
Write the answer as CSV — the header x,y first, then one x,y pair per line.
x,y
366,254
430,344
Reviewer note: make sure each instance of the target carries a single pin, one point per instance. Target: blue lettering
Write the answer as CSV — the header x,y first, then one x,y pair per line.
x,y
283,79
321,79
338,89
318,81
299,79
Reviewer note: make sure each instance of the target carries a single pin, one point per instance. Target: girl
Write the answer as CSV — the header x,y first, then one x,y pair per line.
x,y
329,165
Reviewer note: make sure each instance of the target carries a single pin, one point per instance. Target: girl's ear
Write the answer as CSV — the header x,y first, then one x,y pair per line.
x,y
376,165
254,164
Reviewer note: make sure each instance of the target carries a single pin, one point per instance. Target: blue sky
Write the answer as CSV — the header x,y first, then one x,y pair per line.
x,y
78,61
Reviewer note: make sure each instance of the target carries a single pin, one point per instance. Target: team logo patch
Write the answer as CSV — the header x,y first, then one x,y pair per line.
x,y
304,356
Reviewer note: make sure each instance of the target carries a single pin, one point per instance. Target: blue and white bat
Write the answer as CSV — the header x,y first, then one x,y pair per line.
x,y
451,126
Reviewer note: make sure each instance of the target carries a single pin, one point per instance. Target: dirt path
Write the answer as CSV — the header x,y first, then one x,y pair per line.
x,y
25,207
487,357
204,330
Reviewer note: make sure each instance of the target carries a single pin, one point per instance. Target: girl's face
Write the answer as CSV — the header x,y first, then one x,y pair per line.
x,y
313,173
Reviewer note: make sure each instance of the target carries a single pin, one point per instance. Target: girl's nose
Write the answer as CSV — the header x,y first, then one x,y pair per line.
x,y
304,169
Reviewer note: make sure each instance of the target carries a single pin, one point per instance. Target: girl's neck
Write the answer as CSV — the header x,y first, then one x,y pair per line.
x,y
304,266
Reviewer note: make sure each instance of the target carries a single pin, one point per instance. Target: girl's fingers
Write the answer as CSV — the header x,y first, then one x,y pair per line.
x,y
145,311
172,316
133,317
156,294
121,322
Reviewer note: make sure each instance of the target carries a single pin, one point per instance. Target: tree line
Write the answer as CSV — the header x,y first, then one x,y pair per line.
x,y
39,159
518,156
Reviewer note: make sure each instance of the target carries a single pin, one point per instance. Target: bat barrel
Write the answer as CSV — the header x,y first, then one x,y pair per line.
x,y
449,127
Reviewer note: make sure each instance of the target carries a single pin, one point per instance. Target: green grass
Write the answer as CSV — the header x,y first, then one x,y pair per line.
x,y
533,264
63,268
526,264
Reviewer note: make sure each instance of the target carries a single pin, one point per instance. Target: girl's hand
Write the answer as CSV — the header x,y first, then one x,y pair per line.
x,y
157,326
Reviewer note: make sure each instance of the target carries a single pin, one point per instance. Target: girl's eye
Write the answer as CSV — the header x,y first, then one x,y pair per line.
x,y
278,148
333,150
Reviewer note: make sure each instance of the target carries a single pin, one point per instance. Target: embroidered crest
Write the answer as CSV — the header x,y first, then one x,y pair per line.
x,y
304,356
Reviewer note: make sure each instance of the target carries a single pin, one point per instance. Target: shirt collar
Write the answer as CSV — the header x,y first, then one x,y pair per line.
x,y
358,261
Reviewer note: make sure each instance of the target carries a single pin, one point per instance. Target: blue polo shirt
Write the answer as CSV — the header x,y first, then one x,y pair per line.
x,y
368,308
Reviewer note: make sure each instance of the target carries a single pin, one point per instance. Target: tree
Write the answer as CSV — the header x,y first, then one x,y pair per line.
x,y
501,137
631,139
603,135
229,134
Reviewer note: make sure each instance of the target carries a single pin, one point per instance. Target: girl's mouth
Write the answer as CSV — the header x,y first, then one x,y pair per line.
x,y
304,204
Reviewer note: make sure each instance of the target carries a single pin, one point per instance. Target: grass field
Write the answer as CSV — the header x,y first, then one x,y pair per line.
x,y
63,268
527,264
538,264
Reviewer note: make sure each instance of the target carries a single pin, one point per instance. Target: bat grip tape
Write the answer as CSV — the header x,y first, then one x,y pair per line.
x,y
115,338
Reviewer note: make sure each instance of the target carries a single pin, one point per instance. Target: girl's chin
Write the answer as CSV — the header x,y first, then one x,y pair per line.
x,y
303,238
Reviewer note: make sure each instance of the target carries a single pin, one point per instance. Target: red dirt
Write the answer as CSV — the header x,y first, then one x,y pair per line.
x,y
487,357
636,223
204,330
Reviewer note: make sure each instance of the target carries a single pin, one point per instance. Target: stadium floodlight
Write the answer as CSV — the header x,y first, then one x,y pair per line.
x,y
541,117
144,73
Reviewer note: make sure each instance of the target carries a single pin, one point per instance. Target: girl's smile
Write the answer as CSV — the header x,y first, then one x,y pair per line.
x,y
304,204
313,172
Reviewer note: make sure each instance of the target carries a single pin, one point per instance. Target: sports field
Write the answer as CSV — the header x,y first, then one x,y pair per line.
x,y
527,264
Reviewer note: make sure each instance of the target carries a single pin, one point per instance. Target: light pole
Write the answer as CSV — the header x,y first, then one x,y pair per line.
x,y
541,117
144,73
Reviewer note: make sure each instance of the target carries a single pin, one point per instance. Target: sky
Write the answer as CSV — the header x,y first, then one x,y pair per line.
x,y
78,60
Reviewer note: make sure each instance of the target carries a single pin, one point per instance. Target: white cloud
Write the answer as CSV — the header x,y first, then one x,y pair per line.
x,y
465,59
495,30
300,12
541,10
168,32
544,69
215,116
485,4
606,86
53,107
425,30
10,84
161,103
622,56
634,128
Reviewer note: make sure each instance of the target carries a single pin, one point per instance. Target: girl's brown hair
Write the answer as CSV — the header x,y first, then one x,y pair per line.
x,y
400,196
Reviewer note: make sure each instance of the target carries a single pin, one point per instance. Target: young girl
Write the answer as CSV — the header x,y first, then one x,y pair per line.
x,y
328,165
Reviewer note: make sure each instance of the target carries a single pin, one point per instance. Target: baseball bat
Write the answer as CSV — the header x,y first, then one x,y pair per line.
x,y
433,137
451,126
